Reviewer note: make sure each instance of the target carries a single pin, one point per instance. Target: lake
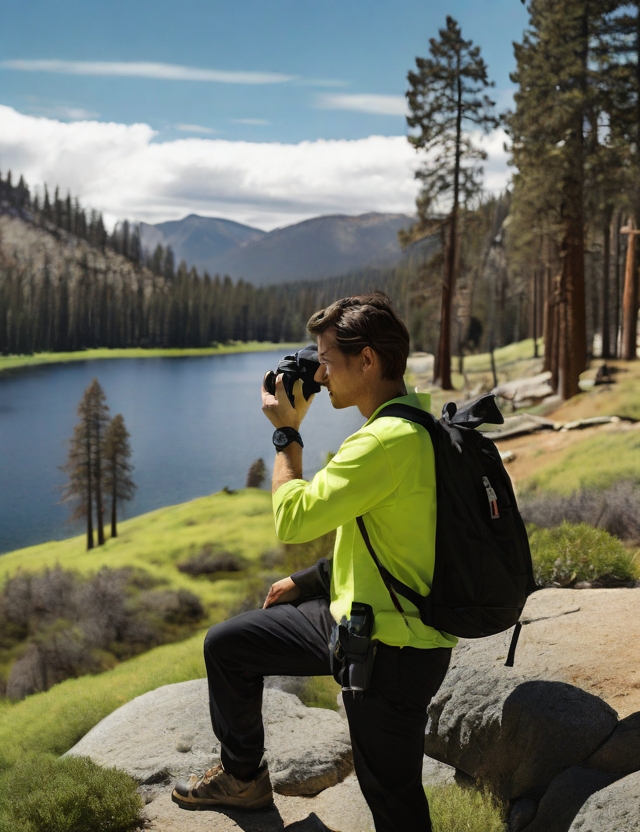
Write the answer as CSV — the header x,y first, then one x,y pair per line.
x,y
195,423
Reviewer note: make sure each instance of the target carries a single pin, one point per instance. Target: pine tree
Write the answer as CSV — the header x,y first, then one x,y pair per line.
x,y
562,155
117,474
446,101
85,463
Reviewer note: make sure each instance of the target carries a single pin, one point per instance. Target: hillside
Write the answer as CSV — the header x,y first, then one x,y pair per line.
x,y
311,250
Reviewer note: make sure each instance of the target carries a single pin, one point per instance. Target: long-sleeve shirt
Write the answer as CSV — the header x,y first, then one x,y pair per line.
x,y
384,472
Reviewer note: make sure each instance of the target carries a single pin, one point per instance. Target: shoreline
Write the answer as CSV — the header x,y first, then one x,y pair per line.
x,y
10,363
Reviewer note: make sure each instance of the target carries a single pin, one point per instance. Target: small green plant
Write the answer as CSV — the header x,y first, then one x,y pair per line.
x,y
320,692
42,793
568,554
455,809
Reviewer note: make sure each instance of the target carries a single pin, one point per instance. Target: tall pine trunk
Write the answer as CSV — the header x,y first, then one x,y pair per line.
x,y
443,358
606,274
630,298
89,494
98,479
114,499
615,234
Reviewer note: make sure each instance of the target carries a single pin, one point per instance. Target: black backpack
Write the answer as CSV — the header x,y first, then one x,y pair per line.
x,y
483,571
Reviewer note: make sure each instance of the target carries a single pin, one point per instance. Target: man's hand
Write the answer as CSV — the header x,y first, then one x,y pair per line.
x,y
278,409
282,592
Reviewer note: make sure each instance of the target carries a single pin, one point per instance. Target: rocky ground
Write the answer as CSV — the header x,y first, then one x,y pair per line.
x,y
558,735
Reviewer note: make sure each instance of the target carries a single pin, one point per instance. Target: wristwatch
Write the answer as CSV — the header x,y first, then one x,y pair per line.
x,y
283,437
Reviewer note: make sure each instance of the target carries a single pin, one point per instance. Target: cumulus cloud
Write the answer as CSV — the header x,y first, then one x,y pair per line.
x,y
163,72
384,105
122,170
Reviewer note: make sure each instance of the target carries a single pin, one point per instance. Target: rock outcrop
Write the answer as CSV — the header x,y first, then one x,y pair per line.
x,y
514,735
546,745
614,809
166,733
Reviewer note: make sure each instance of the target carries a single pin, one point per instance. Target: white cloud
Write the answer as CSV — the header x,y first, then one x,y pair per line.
x,y
256,121
164,72
384,105
194,128
497,173
120,170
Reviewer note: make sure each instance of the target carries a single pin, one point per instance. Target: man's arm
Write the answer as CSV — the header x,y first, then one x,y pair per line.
x,y
287,465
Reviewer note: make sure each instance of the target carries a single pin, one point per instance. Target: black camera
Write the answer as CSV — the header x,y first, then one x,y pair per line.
x,y
301,365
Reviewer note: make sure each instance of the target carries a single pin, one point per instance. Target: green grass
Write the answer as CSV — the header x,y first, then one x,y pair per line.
x,y
570,553
240,522
456,809
595,462
55,720
13,362
321,692
513,361
79,796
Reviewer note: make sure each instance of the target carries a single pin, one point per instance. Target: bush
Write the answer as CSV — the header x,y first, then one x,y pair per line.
x,y
615,509
208,562
568,554
62,625
256,474
44,794
454,809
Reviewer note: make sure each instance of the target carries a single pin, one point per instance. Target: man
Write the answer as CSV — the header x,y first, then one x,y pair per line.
x,y
384,473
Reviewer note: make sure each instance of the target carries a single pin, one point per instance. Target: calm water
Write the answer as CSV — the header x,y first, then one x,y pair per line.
x,y
195,424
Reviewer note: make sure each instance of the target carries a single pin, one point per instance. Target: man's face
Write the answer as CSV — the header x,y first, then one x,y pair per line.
x,y
341,374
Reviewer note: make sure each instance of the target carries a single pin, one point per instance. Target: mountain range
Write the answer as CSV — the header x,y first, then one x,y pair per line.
x,y
318,248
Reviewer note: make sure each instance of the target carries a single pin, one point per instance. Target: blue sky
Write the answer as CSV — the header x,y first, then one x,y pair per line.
x,y
280,73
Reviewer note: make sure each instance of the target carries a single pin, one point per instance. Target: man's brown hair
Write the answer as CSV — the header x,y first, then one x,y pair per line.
x,y
367,321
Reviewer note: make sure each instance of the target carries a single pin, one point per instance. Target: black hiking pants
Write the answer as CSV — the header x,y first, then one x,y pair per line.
x,y
387,723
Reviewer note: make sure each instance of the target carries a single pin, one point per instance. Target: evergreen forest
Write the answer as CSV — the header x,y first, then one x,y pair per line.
x,y
69,285
552,258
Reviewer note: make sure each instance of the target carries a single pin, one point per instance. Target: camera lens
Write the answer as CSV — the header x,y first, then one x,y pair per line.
x,y
270,382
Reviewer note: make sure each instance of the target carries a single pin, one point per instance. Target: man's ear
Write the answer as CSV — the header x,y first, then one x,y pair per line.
x,y
368,358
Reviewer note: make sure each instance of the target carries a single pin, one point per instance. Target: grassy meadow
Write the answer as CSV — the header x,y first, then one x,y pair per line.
x,y
17,362
240,524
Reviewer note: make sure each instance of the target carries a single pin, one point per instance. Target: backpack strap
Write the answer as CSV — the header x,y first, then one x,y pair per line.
x,y
514,643
393,584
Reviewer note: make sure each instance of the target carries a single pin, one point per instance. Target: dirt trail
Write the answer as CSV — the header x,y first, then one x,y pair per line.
x,y
539,450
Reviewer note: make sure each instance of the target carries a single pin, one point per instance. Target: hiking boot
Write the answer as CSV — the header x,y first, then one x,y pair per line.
x,y
217,787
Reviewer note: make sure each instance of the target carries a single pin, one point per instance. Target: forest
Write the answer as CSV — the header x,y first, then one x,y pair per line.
x,y
88,298
553,257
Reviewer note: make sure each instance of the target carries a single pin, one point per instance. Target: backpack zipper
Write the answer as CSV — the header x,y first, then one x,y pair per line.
x,y
493,499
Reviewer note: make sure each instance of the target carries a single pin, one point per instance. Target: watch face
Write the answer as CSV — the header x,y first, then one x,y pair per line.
x,y
280,438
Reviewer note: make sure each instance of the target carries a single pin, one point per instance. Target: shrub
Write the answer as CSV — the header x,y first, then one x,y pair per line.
x,y
615,509
455,809
256,474
56,653
568,554
44,794
209,561
62,625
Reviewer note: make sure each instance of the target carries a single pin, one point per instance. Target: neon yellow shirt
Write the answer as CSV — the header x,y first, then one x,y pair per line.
x,y
386,473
